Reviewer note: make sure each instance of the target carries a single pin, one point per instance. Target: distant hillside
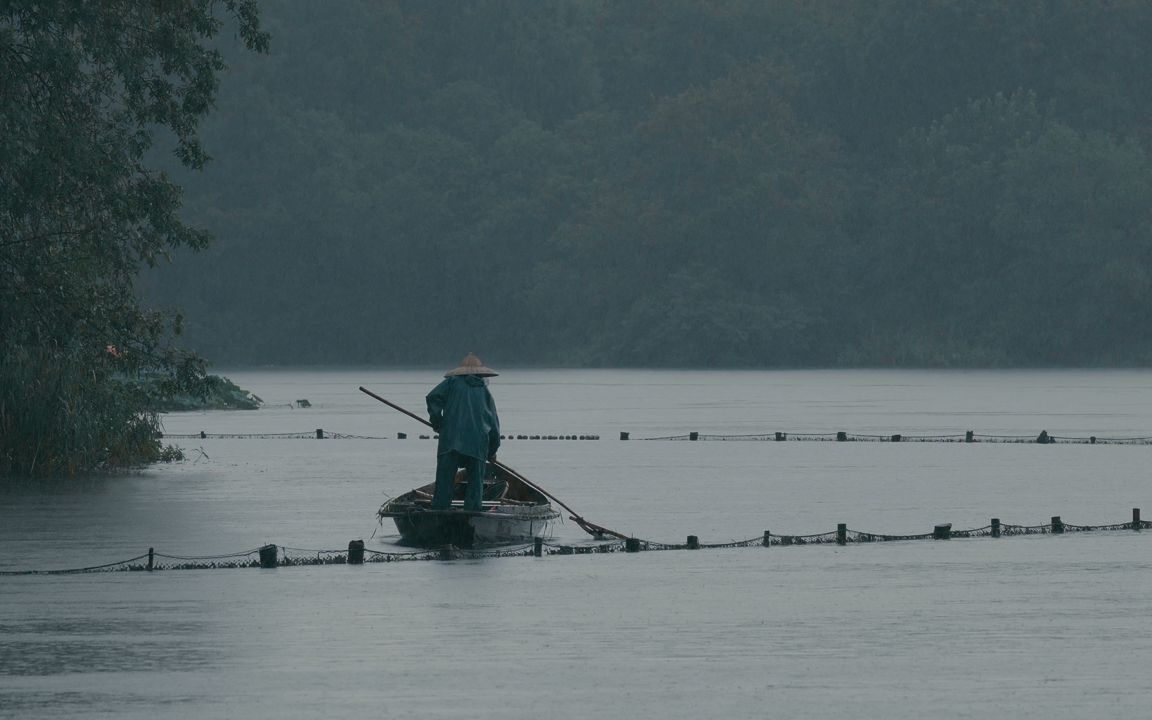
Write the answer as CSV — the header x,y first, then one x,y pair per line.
x,y
732,183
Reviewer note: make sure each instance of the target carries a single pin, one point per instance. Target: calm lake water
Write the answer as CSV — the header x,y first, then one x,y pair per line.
x,y
1040,626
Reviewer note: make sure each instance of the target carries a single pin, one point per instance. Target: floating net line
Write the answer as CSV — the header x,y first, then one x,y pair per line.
x,y
900,437
969,437
279,555
268,436
322,434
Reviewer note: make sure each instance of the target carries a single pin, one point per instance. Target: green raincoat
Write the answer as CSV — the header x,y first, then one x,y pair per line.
x,y
462,410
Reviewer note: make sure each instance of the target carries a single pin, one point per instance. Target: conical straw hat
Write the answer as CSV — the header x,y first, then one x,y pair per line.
x,y
471,365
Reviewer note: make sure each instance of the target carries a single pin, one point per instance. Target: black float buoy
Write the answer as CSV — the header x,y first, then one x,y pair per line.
x,y
268,557
355,552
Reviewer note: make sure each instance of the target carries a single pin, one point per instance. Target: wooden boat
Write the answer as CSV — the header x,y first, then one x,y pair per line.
x,y
513,512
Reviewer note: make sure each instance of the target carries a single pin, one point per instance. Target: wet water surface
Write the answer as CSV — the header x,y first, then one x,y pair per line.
x,y
1039,626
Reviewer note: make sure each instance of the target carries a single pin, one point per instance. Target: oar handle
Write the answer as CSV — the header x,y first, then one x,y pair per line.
x,y
394,406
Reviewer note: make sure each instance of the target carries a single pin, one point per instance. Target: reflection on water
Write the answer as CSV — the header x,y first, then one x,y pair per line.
x,y
1039,626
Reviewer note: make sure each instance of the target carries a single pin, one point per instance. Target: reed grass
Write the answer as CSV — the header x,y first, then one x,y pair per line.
x,y
62,416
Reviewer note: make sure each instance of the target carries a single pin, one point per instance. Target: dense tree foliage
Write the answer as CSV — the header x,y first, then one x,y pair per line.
x,y
84,87
730,182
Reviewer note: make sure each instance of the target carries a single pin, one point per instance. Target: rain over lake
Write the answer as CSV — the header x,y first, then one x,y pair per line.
x,y
1037,626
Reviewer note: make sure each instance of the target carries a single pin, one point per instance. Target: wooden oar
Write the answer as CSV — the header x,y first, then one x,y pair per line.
x,y
588,527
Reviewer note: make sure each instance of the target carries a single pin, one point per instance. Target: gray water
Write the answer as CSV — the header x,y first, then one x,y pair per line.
x,y
1040,626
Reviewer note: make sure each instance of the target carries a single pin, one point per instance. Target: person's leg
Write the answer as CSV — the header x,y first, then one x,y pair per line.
x,y
446,464
476,468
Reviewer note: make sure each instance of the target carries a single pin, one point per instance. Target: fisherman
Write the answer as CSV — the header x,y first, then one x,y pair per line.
x,y
461,409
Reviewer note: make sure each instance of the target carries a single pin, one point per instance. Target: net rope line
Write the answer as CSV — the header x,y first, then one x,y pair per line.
x,y
106,567
977,438
764,437
307,556
206,557
331,435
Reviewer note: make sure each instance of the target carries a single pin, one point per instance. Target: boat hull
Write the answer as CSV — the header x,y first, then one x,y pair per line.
x,y
513,511
501,525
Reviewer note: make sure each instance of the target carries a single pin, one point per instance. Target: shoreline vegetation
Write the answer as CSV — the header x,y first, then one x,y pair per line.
x,y
219,393
90,95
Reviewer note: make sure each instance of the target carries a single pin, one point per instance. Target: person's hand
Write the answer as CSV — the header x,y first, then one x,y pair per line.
x,y
437,421
492,458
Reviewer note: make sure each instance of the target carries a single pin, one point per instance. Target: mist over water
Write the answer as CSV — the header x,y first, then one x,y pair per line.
x,y
1052,627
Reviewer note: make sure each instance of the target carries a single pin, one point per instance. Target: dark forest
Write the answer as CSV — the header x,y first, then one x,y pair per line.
x,y
678,183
